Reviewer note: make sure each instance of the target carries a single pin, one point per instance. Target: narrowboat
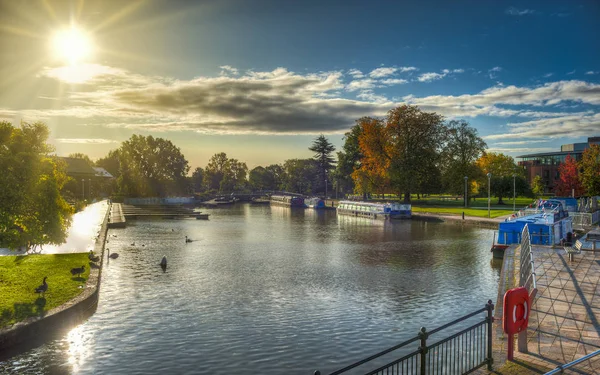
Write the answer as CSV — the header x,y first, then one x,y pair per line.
x,y
287,201
375,210
549,224
314,202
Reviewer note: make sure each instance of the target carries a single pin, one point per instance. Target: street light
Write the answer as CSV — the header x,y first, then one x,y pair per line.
x,y
514,191
489,199
466,192
82,189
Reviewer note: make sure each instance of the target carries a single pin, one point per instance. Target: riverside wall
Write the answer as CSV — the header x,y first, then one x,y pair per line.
x,y
35,331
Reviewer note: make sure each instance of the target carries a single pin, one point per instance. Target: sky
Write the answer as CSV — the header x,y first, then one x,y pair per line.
x,y
260,80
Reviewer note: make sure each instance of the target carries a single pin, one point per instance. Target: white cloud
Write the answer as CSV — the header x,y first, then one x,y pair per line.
x,y
404,69
519,12
548,75
428,77
355,73
393,81
492,72
226,69
369,95
361,84
382,72
591,72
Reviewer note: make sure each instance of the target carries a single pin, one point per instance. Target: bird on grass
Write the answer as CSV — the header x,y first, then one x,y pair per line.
x,y
187,239
77,271
42,288
92,257
113,255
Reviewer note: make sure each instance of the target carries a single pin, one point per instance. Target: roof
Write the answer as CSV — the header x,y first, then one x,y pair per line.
x,y
101,172
542,154
78,166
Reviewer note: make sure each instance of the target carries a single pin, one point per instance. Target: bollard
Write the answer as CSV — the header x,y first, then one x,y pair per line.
x,y
423,334
463,215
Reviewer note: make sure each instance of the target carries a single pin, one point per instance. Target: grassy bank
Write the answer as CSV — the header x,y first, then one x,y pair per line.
x,y
459,210
21,274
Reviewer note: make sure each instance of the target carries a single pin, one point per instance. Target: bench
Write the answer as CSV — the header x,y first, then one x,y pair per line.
x,y
572,250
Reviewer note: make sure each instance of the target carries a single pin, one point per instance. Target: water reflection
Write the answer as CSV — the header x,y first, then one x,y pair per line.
x,y
270,290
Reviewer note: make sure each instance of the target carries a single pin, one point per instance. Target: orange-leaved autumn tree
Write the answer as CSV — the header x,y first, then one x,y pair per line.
x,y
568,182
404,149
372,176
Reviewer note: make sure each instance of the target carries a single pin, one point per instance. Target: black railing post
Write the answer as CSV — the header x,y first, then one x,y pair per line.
x,y
423,349
489,307
317,372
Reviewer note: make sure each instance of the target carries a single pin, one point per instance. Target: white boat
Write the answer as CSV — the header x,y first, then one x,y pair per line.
x,y
375,210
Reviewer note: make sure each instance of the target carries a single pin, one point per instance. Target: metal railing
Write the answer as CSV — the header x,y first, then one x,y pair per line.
x,y
459,353
560,369
527,269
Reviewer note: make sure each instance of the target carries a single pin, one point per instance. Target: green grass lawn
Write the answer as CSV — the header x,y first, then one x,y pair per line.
x,y
477,212
21,274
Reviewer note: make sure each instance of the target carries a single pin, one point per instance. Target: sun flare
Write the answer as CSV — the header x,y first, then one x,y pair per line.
x,y
72,45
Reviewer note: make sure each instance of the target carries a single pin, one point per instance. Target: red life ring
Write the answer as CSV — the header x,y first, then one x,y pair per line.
x,y
516,310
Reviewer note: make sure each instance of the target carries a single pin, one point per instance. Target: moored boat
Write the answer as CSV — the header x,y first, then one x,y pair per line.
x,y
314,202
287,201
375,210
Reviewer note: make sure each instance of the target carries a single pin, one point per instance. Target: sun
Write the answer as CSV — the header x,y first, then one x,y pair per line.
x,y
72,45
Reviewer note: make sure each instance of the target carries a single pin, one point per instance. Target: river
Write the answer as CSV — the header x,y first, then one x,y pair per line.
x,y
269,290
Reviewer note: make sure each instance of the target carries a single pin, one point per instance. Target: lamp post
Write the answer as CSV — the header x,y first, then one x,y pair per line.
x,y
489,175
466,193
325,188
514,191
82,189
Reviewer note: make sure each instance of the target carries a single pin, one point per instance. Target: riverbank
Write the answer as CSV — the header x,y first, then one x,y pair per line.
x,y
34,331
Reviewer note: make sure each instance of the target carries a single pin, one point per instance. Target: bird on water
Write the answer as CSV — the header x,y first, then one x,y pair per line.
x,y
163,262
113,255
42,288
77,271
187,239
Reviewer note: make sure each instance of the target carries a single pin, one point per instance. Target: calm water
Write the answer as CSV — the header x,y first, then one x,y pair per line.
x,y
269,290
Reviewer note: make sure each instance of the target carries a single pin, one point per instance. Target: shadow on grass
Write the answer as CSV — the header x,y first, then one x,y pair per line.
x,y
78,278
22,311
20,258
94,265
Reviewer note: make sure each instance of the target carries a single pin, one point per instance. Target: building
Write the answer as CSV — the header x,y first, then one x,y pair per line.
x,y
546,164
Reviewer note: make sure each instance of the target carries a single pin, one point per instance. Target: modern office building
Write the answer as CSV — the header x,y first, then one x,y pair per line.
x,y
546,164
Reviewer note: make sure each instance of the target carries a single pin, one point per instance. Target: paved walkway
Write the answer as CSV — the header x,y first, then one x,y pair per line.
x,y
564,323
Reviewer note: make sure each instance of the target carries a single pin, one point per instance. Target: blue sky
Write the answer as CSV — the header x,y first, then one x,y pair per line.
x,y
260,80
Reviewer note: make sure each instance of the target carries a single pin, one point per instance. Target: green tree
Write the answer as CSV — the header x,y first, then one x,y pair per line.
x,y
152,167
537,186
198,179
299,175
323,150
404,148
278,173
348,160
215,171
79,155
111,163
590,170
502,168
33,211
260,178
463,148
234,177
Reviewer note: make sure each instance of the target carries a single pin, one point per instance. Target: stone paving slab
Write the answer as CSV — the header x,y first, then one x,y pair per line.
x,y
564,324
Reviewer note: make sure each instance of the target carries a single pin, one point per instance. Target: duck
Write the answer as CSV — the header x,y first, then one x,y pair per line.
x,y
113,255
42,288
187,239
133,244
77,271
163,262
92,257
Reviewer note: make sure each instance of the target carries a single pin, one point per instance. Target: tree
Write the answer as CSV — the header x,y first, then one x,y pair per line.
x,y
323,149
537,186
111,163
215,171
568,178
198,179
502,168
260,178
590,170
234,177
152,167
463,148
79,155
404,147
33,211
299,175
348,160
278,173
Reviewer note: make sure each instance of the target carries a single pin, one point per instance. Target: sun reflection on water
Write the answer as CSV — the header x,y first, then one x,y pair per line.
x,y
79,348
